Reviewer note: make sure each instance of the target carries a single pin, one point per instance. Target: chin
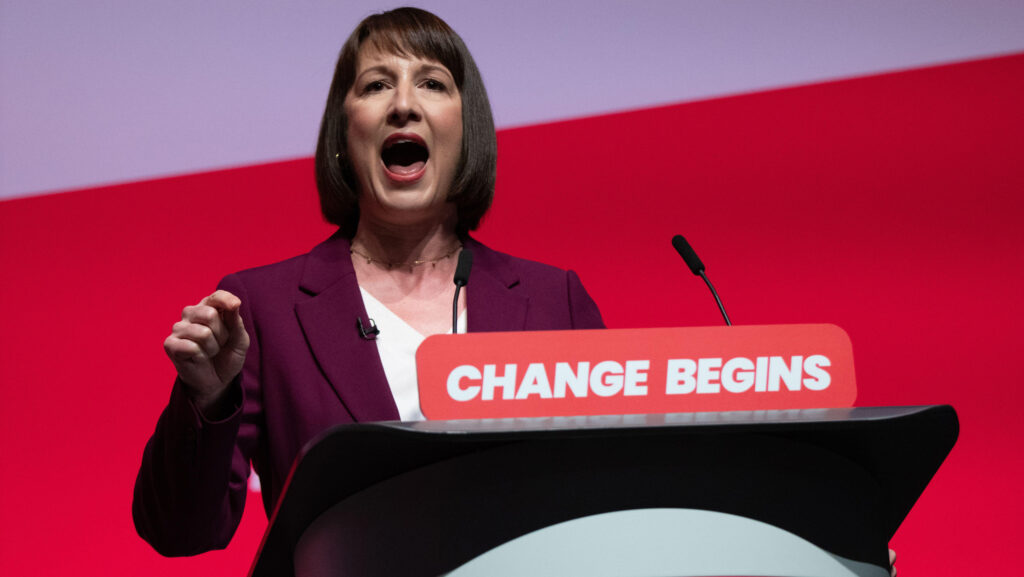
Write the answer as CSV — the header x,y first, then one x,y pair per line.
x,y
409,206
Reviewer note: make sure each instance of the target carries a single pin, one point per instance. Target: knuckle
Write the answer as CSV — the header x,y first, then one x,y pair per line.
x,y
199,313
180,349
203,332
206,314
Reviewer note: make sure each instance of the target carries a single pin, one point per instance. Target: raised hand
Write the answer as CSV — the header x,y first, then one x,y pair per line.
x,y
207,347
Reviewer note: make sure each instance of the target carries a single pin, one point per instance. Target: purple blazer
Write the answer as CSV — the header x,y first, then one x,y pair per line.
x,y
308,369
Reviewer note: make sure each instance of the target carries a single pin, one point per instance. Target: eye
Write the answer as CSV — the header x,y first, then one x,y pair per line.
x,y
431,84
375,86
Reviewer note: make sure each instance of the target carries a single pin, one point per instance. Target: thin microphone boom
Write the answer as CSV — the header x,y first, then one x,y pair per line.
x,y
697,267
462,269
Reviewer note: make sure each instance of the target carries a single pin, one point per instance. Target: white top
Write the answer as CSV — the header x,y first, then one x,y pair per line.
x,y
397,344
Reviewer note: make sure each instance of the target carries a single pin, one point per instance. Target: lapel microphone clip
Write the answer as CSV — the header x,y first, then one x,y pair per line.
x,y
367,333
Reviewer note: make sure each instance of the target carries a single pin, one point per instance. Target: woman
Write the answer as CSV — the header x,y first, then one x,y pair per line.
x,y
405,167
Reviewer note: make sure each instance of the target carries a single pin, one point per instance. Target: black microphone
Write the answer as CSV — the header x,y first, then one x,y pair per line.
x,y
697,267
368,333
462,269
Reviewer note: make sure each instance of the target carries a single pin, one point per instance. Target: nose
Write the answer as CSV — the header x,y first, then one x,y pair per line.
x,y
405,106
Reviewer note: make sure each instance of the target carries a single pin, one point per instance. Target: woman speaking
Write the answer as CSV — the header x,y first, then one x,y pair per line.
x,y
405,167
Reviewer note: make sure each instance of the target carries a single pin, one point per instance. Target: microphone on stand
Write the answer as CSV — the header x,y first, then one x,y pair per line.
x,y
462,269
697,267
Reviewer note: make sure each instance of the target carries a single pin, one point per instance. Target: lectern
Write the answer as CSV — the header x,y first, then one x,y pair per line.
x,y
797,492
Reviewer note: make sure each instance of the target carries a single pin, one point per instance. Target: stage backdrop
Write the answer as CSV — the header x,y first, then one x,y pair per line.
x,y
853,165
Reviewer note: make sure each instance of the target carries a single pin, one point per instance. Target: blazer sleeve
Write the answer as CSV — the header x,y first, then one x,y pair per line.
x,y
190,491
582,308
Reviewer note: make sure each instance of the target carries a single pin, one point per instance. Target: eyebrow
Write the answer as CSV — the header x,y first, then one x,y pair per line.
x,y
388,71
436,68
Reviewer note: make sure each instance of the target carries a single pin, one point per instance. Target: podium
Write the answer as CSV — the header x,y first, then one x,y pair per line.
x,y
793,492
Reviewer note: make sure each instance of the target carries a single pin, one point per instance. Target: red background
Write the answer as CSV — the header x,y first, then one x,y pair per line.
x,y
889,205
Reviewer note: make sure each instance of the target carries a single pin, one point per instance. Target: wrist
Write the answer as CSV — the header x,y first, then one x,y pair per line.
x,y
214,405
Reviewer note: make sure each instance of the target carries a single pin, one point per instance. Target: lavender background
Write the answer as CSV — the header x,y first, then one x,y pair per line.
x,y
110,91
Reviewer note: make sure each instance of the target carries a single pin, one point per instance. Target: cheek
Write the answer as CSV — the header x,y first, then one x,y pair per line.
x,y
360,119
359,155
356,131
360,146
456,120
454,132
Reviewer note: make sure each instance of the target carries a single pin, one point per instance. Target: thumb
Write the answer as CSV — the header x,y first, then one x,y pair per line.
x,y
238,338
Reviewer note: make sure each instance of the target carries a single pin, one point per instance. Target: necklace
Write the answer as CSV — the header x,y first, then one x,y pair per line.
x,y
410,264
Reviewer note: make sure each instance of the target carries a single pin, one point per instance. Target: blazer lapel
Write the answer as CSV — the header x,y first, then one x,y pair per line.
x,y
328,320
492,302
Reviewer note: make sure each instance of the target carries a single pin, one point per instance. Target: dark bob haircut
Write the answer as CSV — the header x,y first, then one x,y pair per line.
x,y
408,31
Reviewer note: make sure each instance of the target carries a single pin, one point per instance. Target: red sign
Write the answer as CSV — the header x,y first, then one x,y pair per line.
x,y
628,371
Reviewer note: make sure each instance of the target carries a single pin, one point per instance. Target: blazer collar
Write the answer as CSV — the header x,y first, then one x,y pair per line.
x,y
328,263
329,320
494,299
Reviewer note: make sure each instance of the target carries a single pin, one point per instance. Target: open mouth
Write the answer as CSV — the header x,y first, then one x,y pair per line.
x,y
404,154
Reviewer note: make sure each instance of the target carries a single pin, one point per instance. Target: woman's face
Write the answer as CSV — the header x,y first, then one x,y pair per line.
x,y
404,137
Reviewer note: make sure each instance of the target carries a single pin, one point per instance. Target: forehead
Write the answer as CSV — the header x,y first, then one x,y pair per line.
x,y
371,56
